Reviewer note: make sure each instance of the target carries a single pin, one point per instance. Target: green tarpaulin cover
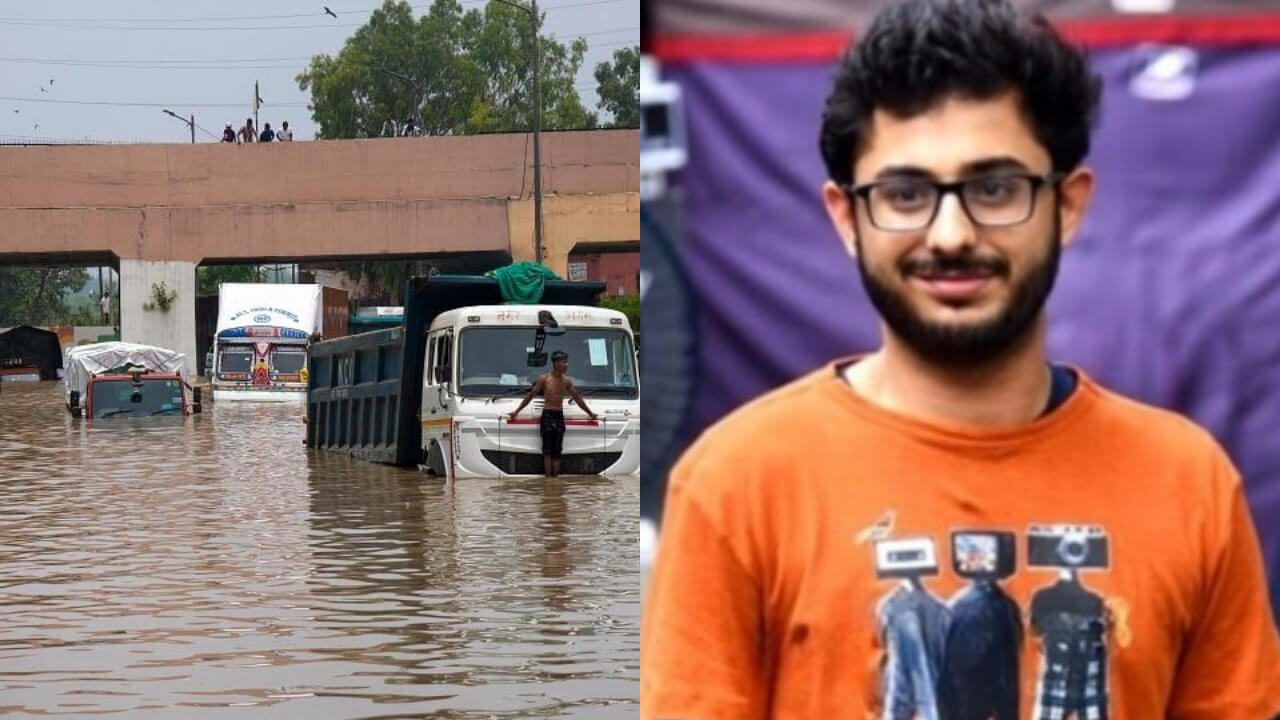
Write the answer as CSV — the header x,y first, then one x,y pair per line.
x,y
522,283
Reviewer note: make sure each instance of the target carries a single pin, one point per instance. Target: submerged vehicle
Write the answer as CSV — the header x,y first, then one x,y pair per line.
x,y
120,379
29,354
435,392
262,337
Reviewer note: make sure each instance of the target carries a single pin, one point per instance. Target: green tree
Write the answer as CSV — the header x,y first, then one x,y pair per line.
x,y
209,277
619,87
38,295
454,72
626,304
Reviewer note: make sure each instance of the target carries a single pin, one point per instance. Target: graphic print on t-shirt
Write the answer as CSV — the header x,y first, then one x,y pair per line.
x,y
1071,622
960,660
980,679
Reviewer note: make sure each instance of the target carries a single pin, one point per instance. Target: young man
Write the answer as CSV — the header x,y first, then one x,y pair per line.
x,y
952,526
268,135
553,386
285,134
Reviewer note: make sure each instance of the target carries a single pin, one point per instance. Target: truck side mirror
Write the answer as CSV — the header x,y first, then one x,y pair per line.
x,y
442,373
75,403
196,405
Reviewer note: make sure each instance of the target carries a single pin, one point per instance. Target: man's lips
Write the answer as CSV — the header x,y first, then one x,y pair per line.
x,y
954,286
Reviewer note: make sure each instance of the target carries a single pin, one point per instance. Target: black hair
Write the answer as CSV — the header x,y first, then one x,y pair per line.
x,y
559,355
919,52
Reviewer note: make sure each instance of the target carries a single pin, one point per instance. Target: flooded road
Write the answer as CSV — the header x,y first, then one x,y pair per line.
x,y
215,568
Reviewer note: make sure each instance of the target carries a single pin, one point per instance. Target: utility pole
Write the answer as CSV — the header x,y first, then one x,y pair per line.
x,y
537,146
189,123
537,127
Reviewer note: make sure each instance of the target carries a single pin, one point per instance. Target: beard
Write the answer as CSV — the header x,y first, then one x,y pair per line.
x,y
971,344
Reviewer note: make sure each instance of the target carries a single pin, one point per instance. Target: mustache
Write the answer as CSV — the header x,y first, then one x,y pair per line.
x,y
932,265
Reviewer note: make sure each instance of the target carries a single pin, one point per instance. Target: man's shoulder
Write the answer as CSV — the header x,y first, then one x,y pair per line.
x,y
1138,419
1162,442
763,423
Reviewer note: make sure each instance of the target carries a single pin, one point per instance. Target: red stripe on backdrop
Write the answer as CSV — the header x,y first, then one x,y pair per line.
x,y
1099,33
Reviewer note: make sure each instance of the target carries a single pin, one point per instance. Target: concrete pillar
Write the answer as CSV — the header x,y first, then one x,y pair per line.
x,y
174,328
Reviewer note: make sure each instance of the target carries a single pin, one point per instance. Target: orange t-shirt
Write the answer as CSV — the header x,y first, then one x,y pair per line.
x,y
822,558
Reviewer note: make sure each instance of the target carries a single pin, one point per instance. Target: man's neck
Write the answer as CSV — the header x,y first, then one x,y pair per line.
x,y
1009,391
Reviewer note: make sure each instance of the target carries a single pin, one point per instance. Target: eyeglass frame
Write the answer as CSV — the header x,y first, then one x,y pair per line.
x,y
954,187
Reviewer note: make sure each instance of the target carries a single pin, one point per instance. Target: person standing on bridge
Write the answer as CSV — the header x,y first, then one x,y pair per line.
x,y
285,134
247,133
553,386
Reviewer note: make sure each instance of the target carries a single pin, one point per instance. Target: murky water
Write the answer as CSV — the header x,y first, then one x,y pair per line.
x,y
214,567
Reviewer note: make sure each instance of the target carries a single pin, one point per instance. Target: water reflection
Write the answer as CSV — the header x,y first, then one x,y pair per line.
x,y
169,568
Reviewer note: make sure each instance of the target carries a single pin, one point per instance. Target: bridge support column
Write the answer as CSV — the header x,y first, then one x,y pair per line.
x,y
141,318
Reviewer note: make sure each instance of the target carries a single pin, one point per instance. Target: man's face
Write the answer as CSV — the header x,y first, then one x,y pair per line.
x,y
953,290
561,364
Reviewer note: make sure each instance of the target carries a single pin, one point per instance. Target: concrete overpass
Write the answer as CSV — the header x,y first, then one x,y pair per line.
x,y
158,211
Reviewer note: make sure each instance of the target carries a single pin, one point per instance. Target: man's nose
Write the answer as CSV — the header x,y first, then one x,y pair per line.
x,y
952,231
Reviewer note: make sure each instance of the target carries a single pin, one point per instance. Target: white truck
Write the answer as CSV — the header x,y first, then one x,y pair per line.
x,y
477,370
262,336
435,392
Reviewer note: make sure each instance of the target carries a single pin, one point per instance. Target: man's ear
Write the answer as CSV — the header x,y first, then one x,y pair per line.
x,y
1074,194
841,210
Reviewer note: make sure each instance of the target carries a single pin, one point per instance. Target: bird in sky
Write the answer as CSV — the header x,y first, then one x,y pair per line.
x,y
44,89
330,12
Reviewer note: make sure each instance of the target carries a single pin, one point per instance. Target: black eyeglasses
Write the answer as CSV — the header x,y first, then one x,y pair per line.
x,y
910,204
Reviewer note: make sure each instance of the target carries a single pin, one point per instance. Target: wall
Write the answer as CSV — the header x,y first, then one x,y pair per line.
x,y
311,199
567,221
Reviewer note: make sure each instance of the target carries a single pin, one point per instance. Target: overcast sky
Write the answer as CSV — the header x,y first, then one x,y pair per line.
x,y
85,69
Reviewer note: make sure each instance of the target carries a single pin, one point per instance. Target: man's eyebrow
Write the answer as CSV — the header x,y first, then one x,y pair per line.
x,y
988,165
975,167
908,171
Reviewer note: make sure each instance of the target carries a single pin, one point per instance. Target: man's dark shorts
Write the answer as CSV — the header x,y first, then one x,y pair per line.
x,y
552,427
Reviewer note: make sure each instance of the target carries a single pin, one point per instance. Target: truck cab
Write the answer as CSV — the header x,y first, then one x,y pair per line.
x,y
263,335
481,361
116,379
136,394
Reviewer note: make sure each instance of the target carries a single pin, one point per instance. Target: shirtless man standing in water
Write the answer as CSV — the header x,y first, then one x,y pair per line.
x,y
553,386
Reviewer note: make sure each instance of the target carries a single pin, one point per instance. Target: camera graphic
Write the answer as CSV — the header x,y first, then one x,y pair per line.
x,y
983,554
906,558
1068,546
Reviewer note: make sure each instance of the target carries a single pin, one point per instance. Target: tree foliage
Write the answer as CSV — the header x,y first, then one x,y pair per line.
x,y
209,277
38,295
626,304
454,72
619,87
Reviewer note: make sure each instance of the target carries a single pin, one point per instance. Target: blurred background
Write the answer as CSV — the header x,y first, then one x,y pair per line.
x,y
1171,293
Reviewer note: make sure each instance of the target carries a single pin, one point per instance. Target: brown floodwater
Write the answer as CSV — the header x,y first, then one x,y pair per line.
x,y
213,567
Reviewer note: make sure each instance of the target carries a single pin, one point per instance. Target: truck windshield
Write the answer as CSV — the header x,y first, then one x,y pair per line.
x,y
235,359
493,361
125,398
288,360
